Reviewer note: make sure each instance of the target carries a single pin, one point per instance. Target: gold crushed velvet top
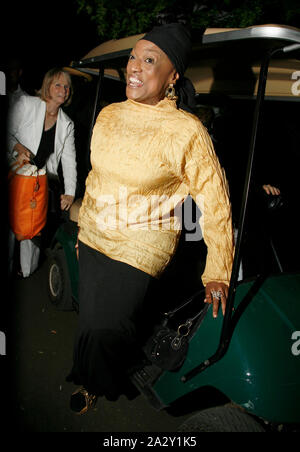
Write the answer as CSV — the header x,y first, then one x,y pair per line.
x,y
145,160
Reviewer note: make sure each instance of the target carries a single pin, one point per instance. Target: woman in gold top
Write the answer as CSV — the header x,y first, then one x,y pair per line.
x,y
147,153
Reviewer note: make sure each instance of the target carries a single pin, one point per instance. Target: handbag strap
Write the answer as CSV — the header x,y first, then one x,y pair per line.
x,y
185,303
184,328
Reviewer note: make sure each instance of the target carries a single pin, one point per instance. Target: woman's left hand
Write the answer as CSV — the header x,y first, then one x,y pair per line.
x,y
270,190
216,292
66,201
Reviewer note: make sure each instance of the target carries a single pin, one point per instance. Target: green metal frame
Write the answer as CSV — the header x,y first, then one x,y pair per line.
x,y
259,372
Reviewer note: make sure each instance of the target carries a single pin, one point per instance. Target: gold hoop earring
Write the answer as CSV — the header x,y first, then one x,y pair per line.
x,y
170,92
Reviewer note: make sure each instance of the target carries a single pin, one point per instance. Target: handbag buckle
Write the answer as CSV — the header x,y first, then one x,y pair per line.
x,y
185,328
182,331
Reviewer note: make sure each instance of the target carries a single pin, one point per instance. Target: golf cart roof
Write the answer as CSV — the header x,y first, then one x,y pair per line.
x,y
77,73
227,61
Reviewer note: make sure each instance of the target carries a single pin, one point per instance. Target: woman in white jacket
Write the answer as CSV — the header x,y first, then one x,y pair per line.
x,y
40,131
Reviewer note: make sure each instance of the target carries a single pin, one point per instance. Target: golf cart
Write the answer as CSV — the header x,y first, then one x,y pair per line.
x,y
241,371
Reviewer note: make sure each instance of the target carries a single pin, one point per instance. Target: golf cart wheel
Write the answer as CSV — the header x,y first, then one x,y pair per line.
x,y
221,419
59,285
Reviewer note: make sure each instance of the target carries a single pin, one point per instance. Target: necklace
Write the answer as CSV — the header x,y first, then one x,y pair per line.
x,y
51,114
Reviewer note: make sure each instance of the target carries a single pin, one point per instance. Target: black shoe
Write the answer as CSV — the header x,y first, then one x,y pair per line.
x,y
81,401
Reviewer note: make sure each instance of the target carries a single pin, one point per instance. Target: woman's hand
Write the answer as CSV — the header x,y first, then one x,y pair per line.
x,y
270,190
24,154
216,292
66,201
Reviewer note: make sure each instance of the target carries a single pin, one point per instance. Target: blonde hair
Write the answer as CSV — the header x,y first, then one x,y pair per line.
x,y
49,77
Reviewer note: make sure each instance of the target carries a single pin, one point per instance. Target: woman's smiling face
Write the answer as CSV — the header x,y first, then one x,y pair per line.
x,y
149,73
59,90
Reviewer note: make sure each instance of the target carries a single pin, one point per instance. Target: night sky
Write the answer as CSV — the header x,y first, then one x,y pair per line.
x,y
44,35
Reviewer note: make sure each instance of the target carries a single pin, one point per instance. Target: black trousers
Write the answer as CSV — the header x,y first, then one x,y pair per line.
x,y
115,308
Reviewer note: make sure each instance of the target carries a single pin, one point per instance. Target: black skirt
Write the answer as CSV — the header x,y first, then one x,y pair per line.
x,y
116,315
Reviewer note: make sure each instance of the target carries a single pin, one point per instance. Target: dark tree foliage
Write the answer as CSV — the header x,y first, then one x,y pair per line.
x,y
114,19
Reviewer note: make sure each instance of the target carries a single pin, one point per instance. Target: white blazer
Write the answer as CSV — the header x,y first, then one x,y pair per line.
x,y
25,126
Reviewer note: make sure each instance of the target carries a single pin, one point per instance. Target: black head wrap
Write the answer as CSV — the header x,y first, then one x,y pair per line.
x,y
175,41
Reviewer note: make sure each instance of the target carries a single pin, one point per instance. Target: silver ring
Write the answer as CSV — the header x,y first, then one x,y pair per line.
x,y
216,294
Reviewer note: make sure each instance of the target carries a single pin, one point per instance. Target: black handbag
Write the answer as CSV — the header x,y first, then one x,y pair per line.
x,y
167,347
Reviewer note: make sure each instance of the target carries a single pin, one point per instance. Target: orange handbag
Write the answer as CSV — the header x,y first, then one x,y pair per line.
x,y
28,203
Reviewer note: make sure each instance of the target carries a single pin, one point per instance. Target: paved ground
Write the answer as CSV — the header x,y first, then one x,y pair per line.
x,y
39,348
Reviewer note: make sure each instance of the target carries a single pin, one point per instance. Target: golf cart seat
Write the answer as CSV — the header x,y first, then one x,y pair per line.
x,y
74,210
